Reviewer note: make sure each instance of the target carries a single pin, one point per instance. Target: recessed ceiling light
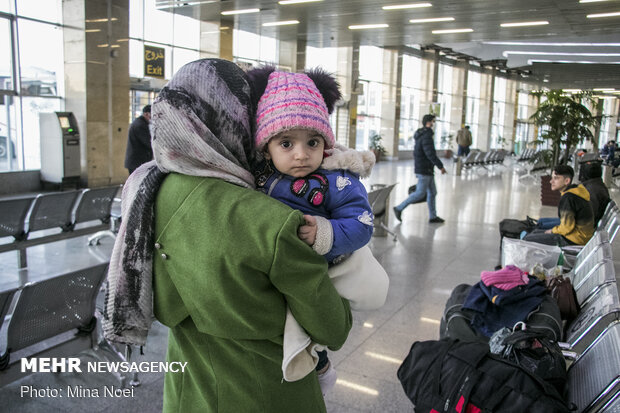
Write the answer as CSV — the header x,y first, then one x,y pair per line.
x,y
281,23
92,30
452,31
101,20
597,15
406,6
368,26
432,20
285,2
590,1
571,90
604,89
520,24
240,11
553,44
518,52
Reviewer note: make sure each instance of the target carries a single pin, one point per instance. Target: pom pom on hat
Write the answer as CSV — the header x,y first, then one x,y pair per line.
x,y
294,101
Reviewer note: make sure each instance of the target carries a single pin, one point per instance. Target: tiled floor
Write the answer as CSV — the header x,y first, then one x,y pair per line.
x,y
426,262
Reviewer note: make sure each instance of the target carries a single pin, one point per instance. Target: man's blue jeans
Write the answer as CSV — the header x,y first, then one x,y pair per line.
x,y
463,151
547,223
425,187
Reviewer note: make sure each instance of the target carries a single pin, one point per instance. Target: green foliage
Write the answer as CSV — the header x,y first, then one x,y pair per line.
x,y
566,119
374,144
446,141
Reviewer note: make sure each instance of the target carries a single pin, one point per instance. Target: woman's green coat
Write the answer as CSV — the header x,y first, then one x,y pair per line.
x,y
227,262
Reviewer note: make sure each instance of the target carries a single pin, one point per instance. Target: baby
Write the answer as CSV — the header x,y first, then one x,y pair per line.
x,y
305,170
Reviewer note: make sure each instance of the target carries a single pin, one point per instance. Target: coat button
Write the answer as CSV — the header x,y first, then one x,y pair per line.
x,y
164,256
157,245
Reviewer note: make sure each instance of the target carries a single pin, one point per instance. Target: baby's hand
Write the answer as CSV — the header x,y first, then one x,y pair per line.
x,y
307,232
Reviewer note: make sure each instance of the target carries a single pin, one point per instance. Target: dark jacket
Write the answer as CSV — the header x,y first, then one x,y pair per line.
x,y
139,149
496,308
599,197
576,216
424,154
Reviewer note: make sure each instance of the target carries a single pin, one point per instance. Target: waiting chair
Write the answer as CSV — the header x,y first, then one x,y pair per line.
x,y
593,380
378,200
52,318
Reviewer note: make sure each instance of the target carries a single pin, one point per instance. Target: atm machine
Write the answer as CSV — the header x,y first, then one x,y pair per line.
x,y
60,148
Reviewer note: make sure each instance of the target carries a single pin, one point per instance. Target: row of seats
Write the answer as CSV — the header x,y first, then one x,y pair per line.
x,y
54,317
593,338
30,220
477,158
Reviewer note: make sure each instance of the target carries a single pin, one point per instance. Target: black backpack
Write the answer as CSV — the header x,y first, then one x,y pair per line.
x,y
512,228
453,376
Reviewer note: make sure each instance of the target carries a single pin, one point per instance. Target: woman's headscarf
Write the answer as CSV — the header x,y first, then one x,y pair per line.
x,y
201,126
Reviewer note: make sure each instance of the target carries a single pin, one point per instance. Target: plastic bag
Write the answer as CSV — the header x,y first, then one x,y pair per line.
x,y
526,255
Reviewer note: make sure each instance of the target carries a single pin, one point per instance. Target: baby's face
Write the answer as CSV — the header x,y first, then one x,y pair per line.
x,y
296,152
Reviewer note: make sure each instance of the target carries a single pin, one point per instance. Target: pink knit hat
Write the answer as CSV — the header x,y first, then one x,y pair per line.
x,y
291,101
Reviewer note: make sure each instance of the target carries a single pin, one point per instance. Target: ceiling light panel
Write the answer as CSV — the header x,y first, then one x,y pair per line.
x,y
432,20
240,11
591,1
407,6
598,15
448,31
368,26
286,2
521,24
281,23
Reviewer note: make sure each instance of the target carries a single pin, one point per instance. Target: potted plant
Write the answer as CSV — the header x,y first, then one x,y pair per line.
x,y
376,147
446,145
566,122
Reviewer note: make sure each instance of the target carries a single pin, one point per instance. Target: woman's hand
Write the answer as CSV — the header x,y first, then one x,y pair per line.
x,y
307,232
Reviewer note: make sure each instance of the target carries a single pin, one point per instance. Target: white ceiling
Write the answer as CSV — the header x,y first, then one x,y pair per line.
x,y
571,51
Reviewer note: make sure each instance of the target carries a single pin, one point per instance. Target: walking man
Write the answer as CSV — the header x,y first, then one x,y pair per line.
x,y
463,140
139,149
425,158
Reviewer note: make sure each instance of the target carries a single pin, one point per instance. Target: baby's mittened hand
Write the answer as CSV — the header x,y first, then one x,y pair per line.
x,y
307,232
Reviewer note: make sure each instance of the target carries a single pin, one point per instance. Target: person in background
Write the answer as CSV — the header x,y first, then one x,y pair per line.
x,y
575,211
463,140
608,153
425,158
139,149
599,194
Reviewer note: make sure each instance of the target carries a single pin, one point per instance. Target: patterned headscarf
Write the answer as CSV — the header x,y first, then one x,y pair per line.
x,y
201,126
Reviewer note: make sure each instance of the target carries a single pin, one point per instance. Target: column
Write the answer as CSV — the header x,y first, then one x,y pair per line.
x,y
355,88
459,100
510,115
300,58
287,54
491,107
390,100
484,125
97,86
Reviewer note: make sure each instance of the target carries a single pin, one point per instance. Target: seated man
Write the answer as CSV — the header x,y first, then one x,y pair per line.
x,y
599,194
576,217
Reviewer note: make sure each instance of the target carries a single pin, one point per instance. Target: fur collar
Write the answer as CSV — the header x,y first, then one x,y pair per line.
x,y
341,157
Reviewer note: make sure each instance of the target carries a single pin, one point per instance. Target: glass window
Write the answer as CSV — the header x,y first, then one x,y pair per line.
x,y
181,57
371,63
136,16
499,112
411,99
136,58
46,10
158,24
326,57
7,6
6,58
186,32
41,58
10,151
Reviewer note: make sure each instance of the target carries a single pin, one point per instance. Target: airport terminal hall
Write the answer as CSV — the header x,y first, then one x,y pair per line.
x,y
310,206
